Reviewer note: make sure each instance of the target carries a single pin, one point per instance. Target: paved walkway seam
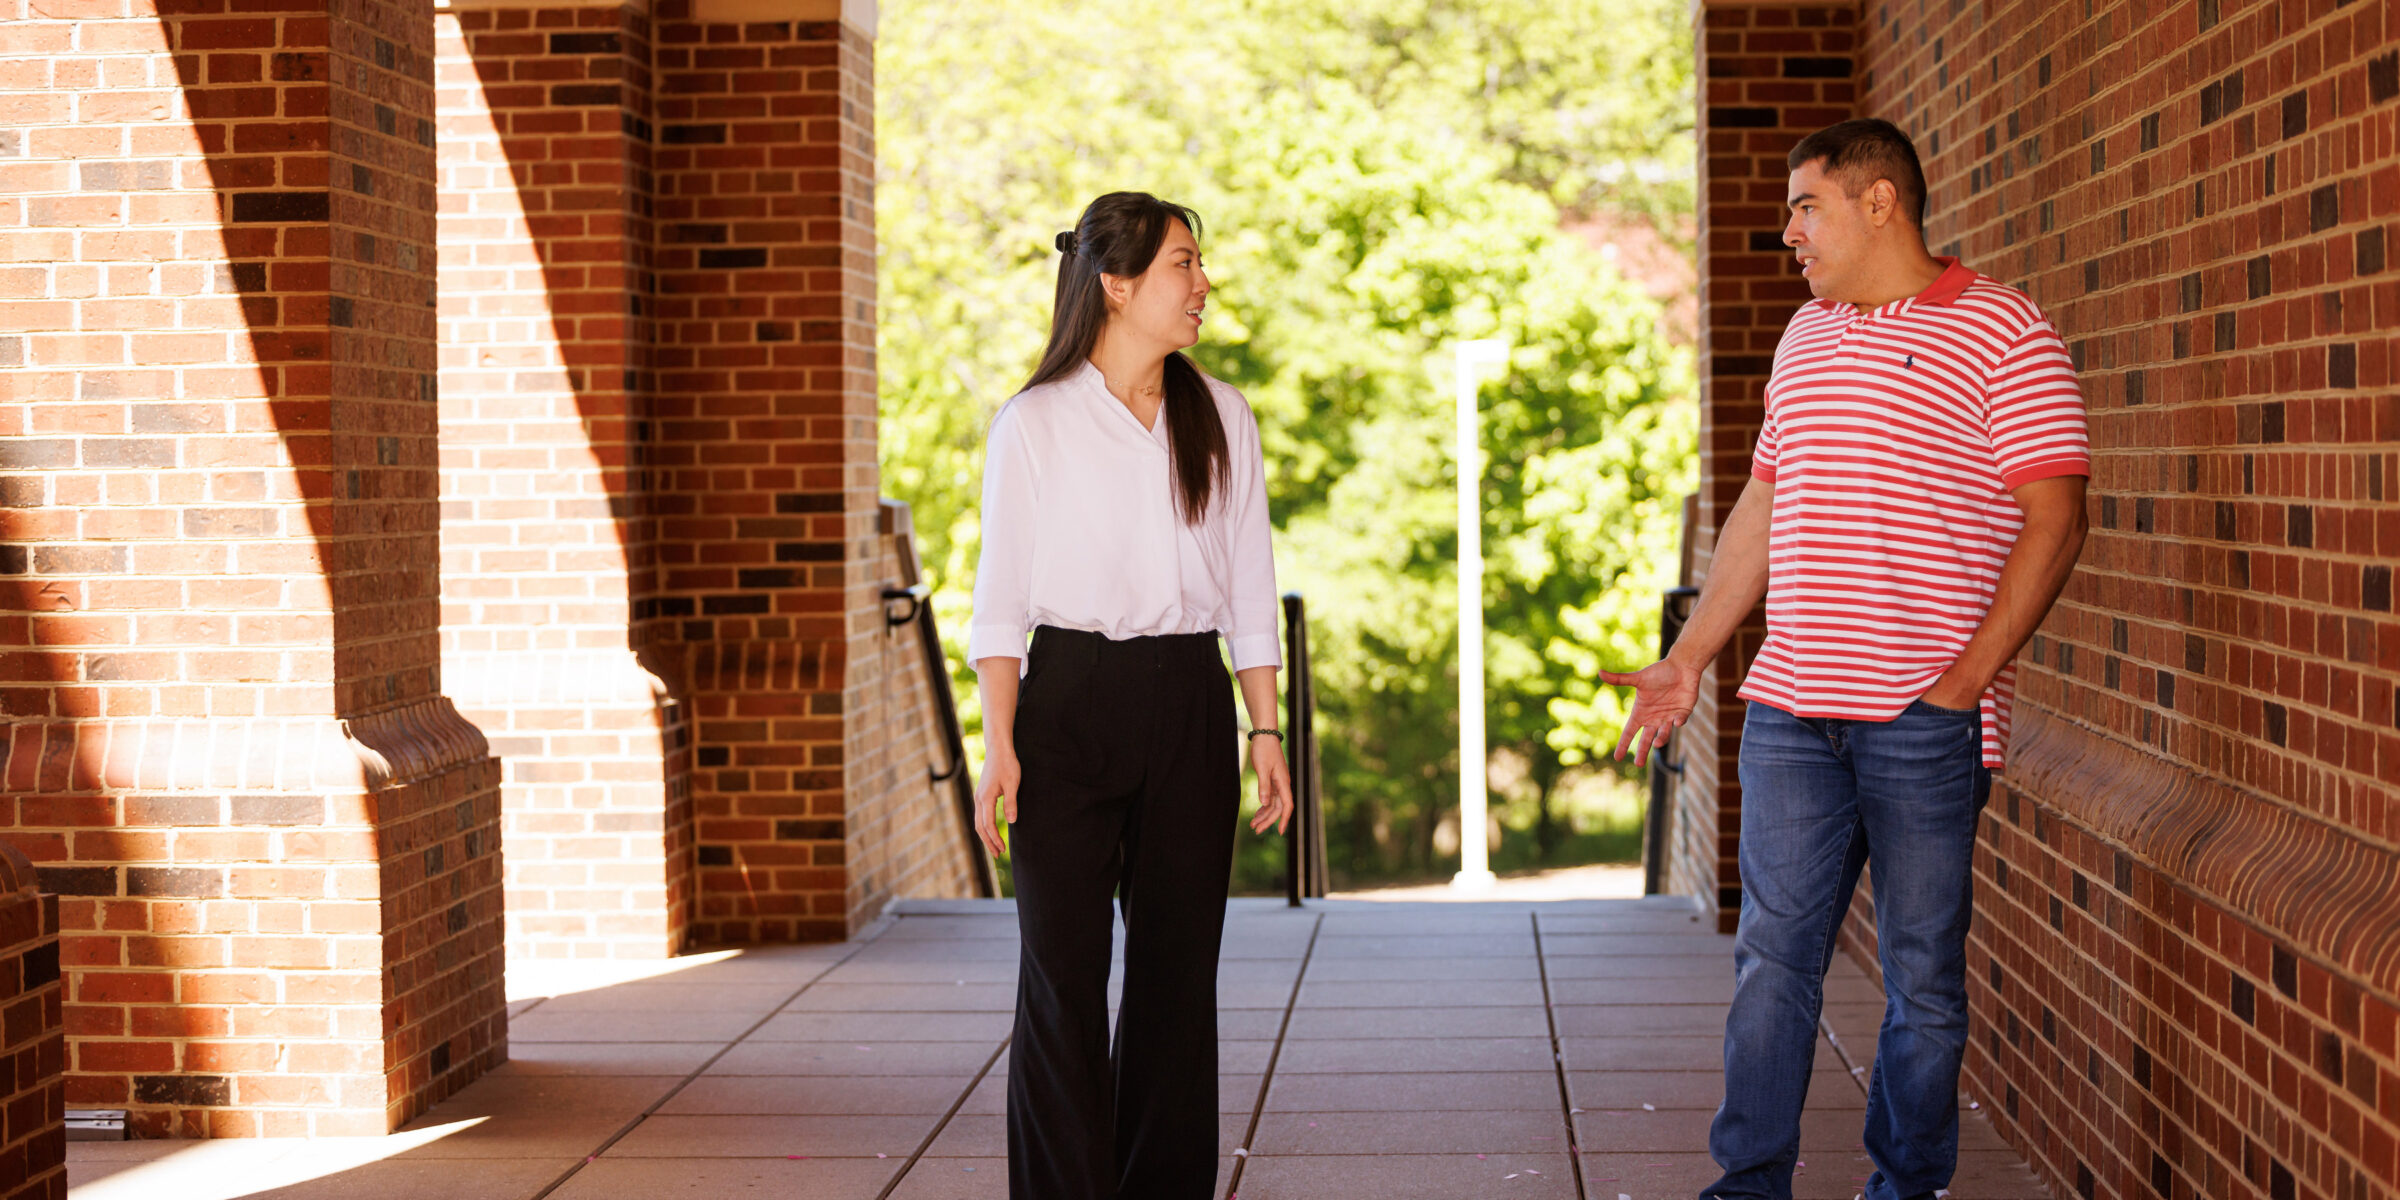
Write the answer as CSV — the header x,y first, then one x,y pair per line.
x,y
874,934
1558,1058
1858,1074
901,1176
1241,1159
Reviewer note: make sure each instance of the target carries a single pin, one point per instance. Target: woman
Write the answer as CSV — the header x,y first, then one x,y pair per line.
x,y
1125,525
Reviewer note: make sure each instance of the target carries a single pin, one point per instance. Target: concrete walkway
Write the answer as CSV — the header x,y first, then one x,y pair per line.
x,y
1376,1050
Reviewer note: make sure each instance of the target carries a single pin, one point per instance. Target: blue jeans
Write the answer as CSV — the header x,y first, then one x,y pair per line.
x,y
1820,796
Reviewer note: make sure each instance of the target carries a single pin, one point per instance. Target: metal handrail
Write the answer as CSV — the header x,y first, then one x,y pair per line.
x,y
1675,607
894,521
919,612
1304,844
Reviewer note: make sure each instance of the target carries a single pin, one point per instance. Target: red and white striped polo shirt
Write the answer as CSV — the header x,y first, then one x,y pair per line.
x,y
1893,439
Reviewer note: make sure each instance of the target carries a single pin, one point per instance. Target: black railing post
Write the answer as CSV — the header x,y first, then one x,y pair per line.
x,y
1675,607
1304,844
1294,672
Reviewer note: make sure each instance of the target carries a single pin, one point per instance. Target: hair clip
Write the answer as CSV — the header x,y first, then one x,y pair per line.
x,y
1066,242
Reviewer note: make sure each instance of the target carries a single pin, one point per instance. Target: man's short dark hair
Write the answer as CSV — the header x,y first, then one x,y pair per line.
x,y
1857,153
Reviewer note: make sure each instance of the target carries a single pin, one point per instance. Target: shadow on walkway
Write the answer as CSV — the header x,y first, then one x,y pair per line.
x,y
1390,1051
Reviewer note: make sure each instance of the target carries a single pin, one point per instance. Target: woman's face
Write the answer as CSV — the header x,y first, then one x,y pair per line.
x,y
1163,304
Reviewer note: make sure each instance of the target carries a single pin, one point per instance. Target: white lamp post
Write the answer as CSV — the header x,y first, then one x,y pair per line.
x,y
1474,851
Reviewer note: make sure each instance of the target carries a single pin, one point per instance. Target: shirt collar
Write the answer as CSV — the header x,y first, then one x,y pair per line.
x,y
1950,285
1089,376
1946,288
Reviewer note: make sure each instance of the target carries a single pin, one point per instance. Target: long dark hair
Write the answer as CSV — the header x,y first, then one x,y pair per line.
x,y
1120,234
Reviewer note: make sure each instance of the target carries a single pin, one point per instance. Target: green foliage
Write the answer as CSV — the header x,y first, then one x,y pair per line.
x,y
1376,188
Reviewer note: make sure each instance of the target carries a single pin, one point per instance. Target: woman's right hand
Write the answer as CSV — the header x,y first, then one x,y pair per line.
x,y
996,678
1000,777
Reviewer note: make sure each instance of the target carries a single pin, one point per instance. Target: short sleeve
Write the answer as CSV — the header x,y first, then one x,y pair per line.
x,y
1762,458
2034,409
1004,571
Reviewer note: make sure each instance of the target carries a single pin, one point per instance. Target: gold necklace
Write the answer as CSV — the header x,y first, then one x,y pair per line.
x,y
1128,391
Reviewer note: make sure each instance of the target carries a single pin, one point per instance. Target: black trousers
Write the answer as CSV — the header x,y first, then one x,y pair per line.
x,y
1131,786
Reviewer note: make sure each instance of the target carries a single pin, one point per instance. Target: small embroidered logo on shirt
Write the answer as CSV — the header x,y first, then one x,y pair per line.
x,y
1909,362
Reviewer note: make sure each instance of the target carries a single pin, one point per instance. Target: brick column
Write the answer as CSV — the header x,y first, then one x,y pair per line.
x,y
228,749
33,1042
547,542
766,482
1770,74
659,423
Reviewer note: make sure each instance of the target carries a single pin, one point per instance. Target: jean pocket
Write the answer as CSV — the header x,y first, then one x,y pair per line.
x,y
1937,710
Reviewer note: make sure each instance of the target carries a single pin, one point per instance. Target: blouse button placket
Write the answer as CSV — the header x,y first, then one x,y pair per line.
x,y
1856,328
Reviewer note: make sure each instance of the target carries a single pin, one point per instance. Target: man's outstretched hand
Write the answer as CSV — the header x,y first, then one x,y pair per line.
x,y
1663,695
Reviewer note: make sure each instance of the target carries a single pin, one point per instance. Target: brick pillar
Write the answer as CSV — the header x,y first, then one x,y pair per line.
x,y
228,749
545,149
33,1042
658,289
766,479
1770,73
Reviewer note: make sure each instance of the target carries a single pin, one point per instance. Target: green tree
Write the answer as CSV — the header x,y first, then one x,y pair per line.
x,y
1376,187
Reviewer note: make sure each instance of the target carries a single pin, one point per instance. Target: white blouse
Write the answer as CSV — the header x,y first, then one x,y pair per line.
x,y
1082,528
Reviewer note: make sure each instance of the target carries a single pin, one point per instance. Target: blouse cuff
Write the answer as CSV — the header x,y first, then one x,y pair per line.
x,y
1256,650
995,641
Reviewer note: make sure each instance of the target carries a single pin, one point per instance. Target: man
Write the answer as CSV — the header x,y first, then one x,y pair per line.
x,y
1916,502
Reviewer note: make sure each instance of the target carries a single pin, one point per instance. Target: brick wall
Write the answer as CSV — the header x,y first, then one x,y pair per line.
x,y
1769,74
2186,967
228,751
247,542
548,536
33,1043
659,421
766,479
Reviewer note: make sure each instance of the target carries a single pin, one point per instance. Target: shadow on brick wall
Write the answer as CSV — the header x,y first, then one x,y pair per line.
x,y
226,712
548,440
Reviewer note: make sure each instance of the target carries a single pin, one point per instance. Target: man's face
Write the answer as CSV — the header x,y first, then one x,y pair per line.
x,y
1828,230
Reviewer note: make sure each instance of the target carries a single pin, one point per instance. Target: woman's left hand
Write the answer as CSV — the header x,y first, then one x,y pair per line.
x,y
1274,785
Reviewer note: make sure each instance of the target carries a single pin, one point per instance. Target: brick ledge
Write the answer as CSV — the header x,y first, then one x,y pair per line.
x,y
402,745
2314,884
374,752
16,871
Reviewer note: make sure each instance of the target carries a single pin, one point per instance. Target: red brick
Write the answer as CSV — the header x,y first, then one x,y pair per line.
x,y
2254,840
